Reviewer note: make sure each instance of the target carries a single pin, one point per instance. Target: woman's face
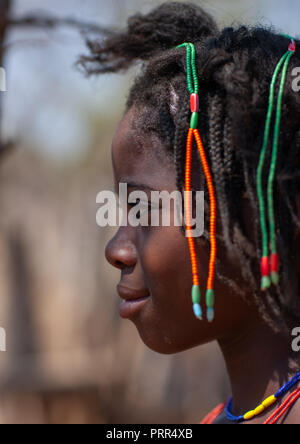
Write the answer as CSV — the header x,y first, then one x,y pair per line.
x,y
155,262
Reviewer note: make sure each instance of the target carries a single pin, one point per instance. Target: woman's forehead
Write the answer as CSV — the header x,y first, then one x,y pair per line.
x,y
135,153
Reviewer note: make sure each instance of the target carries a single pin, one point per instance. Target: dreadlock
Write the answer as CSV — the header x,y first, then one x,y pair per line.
x,y
235,68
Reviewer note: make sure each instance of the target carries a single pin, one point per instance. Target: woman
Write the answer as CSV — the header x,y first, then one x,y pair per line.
x,y
251,318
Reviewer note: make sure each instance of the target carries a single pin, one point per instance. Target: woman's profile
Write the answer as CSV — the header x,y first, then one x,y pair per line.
x,y
237,284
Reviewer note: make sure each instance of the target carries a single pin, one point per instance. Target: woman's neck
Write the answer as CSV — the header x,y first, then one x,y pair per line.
x,y
259,362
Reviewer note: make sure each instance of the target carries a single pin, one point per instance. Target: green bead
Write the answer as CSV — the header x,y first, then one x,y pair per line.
x,y
194,121
196,294
275,277
265,282
210,298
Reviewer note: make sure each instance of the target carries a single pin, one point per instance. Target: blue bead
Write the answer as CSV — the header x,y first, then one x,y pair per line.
x,y
210,314
197,311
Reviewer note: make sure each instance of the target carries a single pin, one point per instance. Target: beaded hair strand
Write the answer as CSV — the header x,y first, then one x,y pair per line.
x,y
270,265
193,88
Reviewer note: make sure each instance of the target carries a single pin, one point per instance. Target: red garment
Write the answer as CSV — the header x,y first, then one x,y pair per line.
x,y
212,416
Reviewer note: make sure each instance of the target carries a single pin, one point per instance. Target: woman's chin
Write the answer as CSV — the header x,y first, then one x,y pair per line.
x,y
173,335
162,342
162,345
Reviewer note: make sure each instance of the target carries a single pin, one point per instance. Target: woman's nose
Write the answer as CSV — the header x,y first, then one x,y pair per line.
x,y
120,253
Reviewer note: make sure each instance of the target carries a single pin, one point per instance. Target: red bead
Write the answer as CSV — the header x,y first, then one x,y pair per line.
x,y
265,266
274,262
292,46
194,100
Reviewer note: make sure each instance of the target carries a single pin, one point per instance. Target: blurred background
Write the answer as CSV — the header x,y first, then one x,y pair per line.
x,y
70,358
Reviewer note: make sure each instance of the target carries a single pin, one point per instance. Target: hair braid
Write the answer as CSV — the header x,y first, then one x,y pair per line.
x,y
216,122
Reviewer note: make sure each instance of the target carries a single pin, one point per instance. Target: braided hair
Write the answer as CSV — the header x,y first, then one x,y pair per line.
x,y
235,68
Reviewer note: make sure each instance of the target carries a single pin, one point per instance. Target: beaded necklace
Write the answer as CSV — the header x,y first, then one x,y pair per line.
x,y
267,403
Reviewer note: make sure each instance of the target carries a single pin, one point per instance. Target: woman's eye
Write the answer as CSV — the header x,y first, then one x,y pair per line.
x,y
143,206
143,211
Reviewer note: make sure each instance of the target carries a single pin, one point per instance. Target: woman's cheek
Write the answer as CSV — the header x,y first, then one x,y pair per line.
x,y
166,262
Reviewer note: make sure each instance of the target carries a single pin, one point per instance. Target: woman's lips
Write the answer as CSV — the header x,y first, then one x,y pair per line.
x,y
129,308
133,300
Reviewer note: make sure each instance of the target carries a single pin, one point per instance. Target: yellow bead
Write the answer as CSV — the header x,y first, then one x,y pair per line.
x,y
249,415
269,401
259,410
